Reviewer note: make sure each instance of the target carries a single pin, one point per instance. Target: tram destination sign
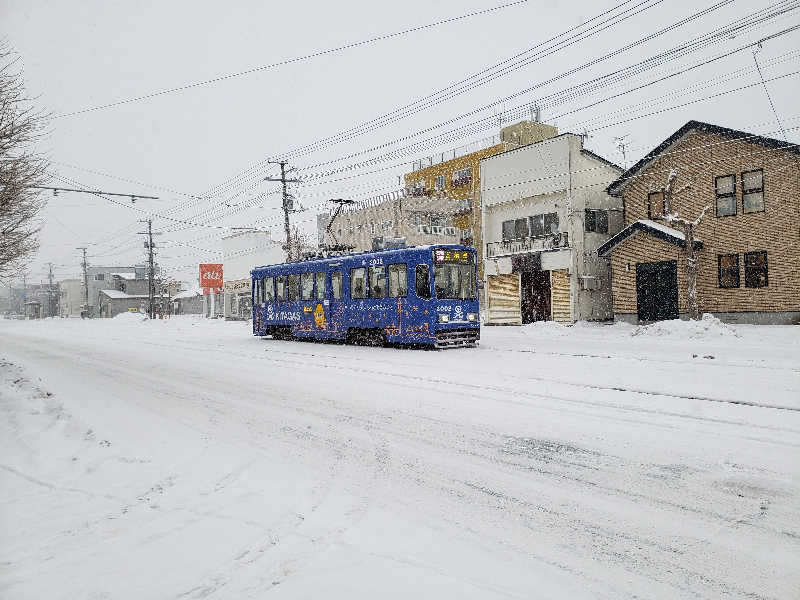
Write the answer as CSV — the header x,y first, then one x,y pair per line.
x,y
446,255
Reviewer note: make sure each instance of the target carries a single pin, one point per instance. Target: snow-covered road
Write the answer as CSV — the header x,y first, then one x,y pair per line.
x,y
187,459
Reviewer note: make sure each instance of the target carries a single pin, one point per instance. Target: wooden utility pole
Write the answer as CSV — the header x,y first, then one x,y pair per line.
x,y
151,285
85,283
288,205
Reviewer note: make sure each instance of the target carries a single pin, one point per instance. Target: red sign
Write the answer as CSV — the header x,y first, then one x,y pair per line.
x,y
211,278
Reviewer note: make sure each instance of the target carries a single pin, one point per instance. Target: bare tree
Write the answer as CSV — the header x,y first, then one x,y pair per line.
x,y
690,252
300,243
21,168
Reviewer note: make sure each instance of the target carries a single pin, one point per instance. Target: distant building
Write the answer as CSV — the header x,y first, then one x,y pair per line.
x,y
113,302
242,252
545,213
418,219
71,297
747,248
188,303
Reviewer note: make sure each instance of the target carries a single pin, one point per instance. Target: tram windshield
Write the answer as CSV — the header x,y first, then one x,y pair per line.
x,y
455,282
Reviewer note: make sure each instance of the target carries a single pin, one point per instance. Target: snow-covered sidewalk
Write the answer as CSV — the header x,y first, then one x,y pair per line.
x,y
187,459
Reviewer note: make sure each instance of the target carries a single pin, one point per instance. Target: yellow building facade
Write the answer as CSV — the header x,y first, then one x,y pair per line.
x,y
458,179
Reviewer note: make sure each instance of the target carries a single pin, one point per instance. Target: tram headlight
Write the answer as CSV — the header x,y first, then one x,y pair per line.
x,y
444,318
472,316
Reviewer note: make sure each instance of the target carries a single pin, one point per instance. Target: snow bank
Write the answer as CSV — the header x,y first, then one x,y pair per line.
x,y
130,316
545,328
707,327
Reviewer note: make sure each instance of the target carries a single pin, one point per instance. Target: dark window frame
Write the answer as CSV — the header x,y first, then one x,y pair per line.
x,y
592,225
753,191
650,205
320,277
370,292
726,195
265,287
428,294
296,287
306,276
720,257
389,280
366,283
282,297
337,289
747,280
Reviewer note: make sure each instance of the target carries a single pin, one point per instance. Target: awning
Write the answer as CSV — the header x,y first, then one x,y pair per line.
x,y
657,230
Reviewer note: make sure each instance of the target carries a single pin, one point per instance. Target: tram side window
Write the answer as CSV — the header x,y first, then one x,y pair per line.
x,y
377,281
320,285
281,285
398,281
269,290
294,280
336,285
423,281
256,291
307,285
358,283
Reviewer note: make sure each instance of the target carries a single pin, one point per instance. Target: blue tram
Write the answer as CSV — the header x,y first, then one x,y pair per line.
x,y
416,295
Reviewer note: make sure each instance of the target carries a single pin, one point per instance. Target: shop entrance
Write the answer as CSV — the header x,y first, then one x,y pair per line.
x,y
535,296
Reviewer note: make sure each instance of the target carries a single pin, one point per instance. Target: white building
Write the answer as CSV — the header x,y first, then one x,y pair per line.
x,y
544,213
242,252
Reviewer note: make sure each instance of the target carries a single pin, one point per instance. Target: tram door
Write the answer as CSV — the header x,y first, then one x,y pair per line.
x,y
335,312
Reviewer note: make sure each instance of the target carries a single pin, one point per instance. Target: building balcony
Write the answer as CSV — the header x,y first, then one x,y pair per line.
x,y
436,230
553,241
464,207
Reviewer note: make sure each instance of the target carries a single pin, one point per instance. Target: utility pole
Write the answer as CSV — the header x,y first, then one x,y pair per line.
x,y
85,281
288,206
151,286
50,292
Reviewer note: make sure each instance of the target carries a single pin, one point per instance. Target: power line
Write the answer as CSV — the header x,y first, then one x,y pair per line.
x,y
288,61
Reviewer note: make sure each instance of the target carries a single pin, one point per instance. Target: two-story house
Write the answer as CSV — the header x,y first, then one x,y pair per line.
x,y
747,243
545,212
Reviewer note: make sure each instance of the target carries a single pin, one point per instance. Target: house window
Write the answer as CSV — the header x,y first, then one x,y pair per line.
x,y
508,231
551,223
753,191
462,176
439,182
438,222
728,270
725,187
417,220
537,225
655,205
520,229
596,221
755,269
100,277
386,225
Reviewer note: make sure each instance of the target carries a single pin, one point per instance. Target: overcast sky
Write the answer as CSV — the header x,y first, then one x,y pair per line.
x,y
80,55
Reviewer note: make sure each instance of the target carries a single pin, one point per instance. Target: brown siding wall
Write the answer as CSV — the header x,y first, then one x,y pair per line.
x,y
698,158
560,296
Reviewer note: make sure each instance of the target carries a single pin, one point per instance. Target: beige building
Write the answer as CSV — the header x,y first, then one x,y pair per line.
x,y
455,175
419,219
748,247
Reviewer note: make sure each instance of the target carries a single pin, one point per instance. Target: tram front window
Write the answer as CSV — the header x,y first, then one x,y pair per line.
x,y
454,282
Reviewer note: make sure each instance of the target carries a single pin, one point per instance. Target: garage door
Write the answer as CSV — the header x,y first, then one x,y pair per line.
x,y
503,300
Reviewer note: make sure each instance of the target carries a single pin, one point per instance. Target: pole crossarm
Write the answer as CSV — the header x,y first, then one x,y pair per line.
x,y
55,190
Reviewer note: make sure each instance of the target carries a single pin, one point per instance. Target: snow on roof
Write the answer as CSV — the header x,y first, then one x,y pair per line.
x,y
188,294
651,227
115,294
663,228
